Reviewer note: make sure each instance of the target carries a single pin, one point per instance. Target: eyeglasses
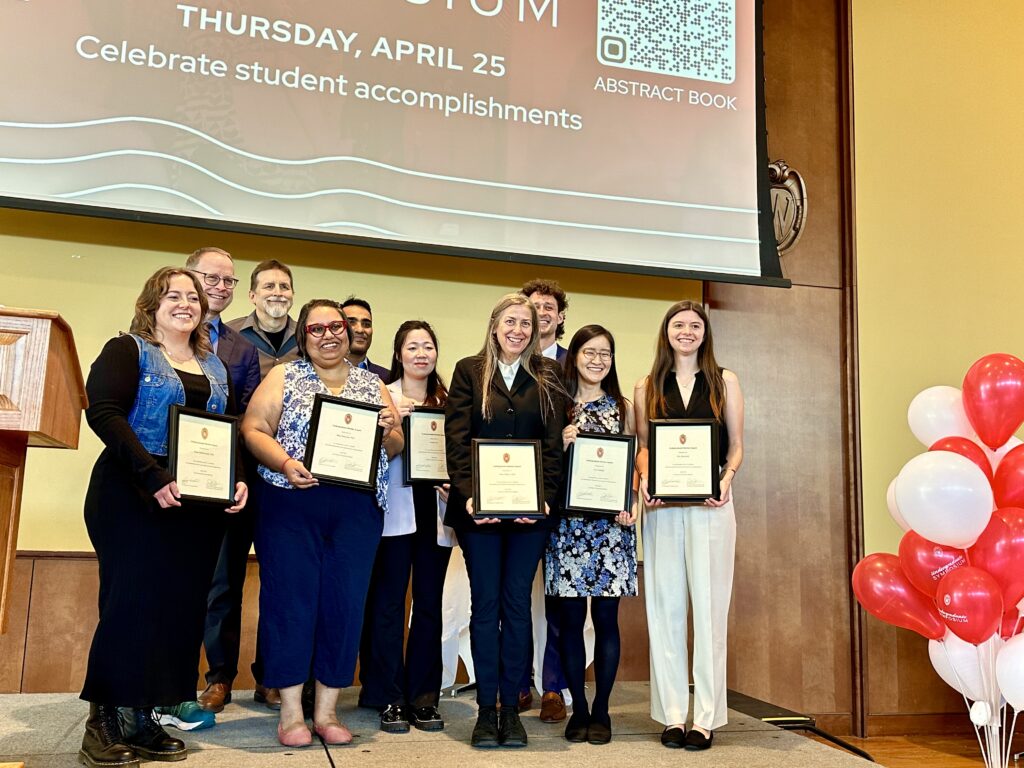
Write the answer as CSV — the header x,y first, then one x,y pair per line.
x,y
214,280
318,329
592,354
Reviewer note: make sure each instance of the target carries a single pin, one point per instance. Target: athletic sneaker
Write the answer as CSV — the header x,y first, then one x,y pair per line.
x,y
187,716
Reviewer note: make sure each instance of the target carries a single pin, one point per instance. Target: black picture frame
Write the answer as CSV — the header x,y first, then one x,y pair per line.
x,y
407,471
583,439
536,512
175,414
655,425
329,403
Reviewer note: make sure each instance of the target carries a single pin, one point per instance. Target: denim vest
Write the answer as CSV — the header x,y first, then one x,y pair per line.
x,y
160,388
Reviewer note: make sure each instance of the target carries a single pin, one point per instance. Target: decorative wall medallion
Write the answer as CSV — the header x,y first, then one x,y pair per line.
x,y
789,204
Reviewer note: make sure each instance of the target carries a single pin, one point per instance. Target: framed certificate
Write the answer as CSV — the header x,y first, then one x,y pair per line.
x,y
600,477
683,460
344,440
507,479
423,457
201,453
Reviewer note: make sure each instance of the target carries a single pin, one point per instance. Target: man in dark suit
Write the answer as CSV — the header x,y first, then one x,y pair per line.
x,y
551,303
360,320
216,271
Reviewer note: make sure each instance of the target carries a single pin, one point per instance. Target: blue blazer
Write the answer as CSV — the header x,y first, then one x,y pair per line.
x,y
242,360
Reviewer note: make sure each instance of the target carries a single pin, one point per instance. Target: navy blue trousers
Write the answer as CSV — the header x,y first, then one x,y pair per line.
x,y
316,549
501,567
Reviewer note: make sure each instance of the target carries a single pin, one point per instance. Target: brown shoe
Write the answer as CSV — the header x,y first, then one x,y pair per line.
x,y
215,697
552,707
525,700
271,697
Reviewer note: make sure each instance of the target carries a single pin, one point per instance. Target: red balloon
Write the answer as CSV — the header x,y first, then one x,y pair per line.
x,y
925,562
885,592
1008,482
993,396
967,448
970,601
1000,551
1010,623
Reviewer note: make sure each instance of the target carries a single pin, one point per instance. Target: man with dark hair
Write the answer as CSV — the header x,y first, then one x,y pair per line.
x,y
269,328
216,271
551,302
360,320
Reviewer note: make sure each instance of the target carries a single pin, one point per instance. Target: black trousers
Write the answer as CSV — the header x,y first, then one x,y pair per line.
x,y
501,567
387,675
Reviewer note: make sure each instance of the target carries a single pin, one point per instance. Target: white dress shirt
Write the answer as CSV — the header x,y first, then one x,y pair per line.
x,y
509,371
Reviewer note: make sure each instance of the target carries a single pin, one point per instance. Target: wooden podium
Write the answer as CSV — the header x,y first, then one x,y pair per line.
x,y
42,396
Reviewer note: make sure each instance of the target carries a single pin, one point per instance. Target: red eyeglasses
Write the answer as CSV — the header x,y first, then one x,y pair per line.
x,y
318,329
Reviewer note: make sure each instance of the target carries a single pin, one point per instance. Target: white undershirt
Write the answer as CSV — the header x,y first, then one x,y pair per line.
x,y
509,371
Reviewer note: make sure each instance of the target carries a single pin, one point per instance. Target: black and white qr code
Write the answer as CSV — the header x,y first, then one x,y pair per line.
x,y
684,38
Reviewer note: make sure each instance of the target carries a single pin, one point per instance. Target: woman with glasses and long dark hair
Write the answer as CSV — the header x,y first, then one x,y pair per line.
x,y
406,686
591,557
508,391
315,541
689,548
156,552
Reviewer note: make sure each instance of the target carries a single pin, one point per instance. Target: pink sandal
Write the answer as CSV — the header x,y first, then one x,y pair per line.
x,y
298,736
334,733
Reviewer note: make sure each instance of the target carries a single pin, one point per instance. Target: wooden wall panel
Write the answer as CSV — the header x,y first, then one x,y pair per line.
x,y
789,624
61,623
12,644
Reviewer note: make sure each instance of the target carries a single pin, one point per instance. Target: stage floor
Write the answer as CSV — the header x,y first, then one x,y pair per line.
x,y
45,731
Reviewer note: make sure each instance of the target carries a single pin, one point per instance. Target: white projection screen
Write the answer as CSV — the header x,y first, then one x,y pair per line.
x,y
623,135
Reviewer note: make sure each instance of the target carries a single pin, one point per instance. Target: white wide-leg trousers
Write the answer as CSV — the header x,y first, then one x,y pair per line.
x,y
688,551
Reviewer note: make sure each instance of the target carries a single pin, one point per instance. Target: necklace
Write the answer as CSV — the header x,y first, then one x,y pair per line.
x,y
689,384
184,360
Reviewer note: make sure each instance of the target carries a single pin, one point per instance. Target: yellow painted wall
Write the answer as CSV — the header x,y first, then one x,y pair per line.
x,y
939,209
91,271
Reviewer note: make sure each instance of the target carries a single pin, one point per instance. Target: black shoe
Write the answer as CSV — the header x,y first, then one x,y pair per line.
x,y
674,738
148,738
394,719
600,730
308,698
485,732
576,728
510,728
426,718
103,743
695,740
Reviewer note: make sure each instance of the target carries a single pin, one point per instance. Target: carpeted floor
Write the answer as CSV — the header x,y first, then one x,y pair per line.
x,y
45,731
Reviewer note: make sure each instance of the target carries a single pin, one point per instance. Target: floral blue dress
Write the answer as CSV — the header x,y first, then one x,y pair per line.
x,y
592,557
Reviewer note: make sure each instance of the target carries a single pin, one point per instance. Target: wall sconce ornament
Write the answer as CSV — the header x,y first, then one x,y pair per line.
x,y
789,204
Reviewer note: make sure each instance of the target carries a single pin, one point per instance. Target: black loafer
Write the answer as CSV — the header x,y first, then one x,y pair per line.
x,y
695,740
674,738
576,728
427,719
394,720
485,732
600,730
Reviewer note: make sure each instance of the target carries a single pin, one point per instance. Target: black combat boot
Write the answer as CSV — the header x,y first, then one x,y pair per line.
x,y
103,745
148,738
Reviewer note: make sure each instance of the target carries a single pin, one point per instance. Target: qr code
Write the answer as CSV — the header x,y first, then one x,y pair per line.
x,y
684,38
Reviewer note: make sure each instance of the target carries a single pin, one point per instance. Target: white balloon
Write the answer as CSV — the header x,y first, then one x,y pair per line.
x,y
894,508
1010,671
954,658
938,412
945,497
981,713
994,457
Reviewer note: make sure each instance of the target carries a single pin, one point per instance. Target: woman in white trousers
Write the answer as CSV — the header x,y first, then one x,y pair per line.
x,y
689,549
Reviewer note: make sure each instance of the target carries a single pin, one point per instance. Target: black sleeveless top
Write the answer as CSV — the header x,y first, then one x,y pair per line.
x,y
699,407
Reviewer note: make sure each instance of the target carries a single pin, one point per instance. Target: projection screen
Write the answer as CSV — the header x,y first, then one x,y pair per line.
x,y
614,134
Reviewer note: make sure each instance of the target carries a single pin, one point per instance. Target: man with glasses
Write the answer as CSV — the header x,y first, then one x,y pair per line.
x,y
269,328
216,271
360,319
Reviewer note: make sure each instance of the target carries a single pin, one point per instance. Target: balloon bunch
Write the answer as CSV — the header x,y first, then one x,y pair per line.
x,y
959,576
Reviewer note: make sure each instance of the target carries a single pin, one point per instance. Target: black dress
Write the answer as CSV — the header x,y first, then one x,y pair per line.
x,y
156,564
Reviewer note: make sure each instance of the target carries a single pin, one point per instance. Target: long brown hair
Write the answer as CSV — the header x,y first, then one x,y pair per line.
x,y
664,360
531,360
611,381
144,322
437,392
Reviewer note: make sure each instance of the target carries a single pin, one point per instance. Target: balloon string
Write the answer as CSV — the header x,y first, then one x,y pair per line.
x,y
1013,727
962,689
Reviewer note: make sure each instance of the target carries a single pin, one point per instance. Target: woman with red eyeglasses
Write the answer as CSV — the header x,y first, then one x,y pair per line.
x,y
315,541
